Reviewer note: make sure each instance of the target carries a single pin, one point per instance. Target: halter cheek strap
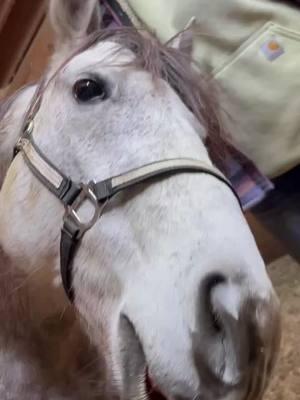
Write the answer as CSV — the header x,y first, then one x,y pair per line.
x,y
72,195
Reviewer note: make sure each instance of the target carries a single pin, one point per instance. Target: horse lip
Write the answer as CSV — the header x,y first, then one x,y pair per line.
x,y
136,377
152,391
133,362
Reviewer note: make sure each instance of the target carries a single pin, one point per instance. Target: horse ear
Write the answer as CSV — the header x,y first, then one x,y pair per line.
x,y
185,39
72,19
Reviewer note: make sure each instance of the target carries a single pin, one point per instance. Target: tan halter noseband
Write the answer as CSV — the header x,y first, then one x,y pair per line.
x,y
73,194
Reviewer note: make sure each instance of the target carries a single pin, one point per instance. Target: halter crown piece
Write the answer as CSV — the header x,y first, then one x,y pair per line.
x,y
72,194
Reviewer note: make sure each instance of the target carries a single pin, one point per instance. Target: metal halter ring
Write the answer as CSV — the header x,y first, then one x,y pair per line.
x,y
88,194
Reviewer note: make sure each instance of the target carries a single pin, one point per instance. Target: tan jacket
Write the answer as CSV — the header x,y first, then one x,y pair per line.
x,y
252,48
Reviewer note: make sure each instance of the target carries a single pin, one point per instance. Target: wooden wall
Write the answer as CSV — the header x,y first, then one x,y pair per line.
x,y
21,20
26,43
35,59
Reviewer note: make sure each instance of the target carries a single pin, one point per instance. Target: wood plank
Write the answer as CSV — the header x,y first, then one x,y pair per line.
x,y
270,248
5,9
16,35
36,59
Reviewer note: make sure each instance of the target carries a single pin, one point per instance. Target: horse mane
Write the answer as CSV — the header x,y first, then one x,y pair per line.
x,y
161,60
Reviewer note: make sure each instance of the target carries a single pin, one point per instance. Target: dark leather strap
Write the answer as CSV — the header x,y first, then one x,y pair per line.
x,y
106,189
109,187
69,242
60,185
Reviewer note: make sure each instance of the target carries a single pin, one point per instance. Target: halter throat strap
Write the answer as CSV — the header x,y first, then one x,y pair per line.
x,y
72,194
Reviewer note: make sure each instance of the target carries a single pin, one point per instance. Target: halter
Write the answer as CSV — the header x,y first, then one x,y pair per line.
x,y
73,194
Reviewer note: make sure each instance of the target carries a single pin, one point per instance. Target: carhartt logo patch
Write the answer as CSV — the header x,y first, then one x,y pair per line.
x,y
272,49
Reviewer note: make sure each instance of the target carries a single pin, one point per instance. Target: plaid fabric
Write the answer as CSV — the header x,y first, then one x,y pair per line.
x,y
250,184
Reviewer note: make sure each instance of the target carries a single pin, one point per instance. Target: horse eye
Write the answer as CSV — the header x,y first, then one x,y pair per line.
x,y
86,90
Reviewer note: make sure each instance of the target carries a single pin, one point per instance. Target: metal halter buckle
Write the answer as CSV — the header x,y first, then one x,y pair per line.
x,y
28,127
88,194
26,132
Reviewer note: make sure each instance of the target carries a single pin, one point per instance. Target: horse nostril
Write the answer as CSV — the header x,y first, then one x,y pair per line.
x,y
237,333
221,341
210,284
214,280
